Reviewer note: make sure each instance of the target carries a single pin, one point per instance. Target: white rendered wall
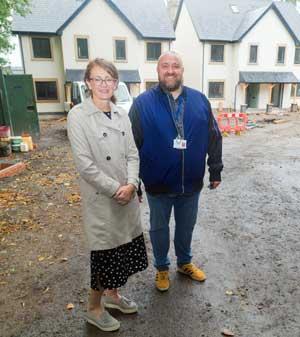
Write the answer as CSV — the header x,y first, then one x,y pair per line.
x,y
46,69
187,44
268,34
101,24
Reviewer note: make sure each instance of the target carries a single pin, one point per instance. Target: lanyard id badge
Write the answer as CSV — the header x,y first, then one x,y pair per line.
x,y
179,144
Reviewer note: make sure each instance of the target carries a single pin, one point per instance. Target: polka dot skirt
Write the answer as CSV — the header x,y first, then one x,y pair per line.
x,y
111,268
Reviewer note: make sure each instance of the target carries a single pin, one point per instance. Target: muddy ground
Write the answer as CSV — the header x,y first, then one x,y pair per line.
x,y
246,239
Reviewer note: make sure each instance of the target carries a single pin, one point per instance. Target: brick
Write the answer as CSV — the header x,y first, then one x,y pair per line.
x,y
12,170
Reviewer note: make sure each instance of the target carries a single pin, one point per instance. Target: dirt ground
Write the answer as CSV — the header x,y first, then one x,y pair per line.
x,y
246,239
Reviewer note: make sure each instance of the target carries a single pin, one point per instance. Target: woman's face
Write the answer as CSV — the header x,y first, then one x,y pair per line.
x,y
101,83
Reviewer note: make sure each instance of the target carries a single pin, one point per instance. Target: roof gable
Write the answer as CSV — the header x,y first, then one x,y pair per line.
x,y
215,21
51,17
47,16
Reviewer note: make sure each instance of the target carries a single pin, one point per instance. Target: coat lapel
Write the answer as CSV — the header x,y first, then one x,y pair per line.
x,y
93,111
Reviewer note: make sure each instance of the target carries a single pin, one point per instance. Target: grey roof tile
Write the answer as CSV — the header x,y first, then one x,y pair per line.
x,y
51,16
150,18
291,16
215,20
46,16
267,77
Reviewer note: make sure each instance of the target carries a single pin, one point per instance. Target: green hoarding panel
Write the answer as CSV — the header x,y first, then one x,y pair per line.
x,y
20,101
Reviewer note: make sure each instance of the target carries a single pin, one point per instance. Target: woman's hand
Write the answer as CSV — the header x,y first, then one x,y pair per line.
x,y
124,194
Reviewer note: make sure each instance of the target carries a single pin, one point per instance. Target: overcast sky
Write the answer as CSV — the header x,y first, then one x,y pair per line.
x,y
15,56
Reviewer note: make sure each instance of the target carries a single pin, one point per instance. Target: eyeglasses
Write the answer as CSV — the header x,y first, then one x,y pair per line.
x,y
99,81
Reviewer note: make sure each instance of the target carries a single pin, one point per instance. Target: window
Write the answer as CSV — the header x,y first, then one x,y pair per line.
x,y
120,50
41,48
46,90
150,84
253,54
234,9
281,55
217,53
82,48
153,51
297,56
216,90
297,90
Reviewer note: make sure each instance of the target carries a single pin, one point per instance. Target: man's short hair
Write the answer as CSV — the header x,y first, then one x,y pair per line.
x,y
172,53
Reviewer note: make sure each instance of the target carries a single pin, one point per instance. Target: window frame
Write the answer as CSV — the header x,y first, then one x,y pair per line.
x,y
86,37
297,64
150,81
297,85
257,53
119,38
33,58
47,80
146,51
211,61
277,54
216,98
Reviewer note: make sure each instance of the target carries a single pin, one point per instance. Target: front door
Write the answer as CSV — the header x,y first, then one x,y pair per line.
x,y
276,97
23,112
252,95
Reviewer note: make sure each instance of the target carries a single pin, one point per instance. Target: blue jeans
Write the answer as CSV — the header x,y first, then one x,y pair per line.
x,y
185,213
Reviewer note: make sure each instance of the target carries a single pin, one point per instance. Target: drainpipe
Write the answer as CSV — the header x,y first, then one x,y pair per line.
x,y
235,95
203,54
22,53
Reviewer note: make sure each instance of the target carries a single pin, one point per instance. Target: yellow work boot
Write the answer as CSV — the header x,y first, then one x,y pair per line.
x,y
162,281
192,271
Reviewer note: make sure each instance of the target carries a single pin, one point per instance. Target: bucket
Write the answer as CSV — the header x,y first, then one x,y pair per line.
x,y
28,140
16,140
4,131
24,147
16,147
5,149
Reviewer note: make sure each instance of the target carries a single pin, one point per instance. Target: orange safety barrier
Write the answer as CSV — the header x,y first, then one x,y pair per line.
x,y
232,122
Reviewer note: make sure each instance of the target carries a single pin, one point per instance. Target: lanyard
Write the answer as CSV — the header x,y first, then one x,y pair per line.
x,y
177,115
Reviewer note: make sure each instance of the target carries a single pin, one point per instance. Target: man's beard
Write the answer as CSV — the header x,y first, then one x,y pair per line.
x,y
172,87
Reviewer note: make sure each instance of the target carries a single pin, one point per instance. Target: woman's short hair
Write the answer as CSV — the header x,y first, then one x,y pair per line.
x,y
105,65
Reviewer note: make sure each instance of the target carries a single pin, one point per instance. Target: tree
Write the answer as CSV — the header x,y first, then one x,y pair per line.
x,y
7,7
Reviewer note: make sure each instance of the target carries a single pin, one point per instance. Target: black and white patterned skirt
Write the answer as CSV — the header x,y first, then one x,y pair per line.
x,y
111,268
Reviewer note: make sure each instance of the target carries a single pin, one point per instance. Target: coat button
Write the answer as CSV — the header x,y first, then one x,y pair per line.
x,y
108,158
123,133
104,134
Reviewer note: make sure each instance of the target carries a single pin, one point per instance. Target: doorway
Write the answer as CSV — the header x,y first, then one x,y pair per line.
x,y
252,95
276,96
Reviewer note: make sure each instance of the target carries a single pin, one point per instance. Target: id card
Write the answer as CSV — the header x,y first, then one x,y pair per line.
x,y
179,144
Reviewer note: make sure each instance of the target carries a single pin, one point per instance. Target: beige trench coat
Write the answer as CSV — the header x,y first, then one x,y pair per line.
x,y
106,157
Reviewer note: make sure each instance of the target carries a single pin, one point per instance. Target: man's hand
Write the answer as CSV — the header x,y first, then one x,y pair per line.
x,y
124,194
214,184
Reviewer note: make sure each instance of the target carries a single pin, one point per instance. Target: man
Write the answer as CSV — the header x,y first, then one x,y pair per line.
x,y
174,130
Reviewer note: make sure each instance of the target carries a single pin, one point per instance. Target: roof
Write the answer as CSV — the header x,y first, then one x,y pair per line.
x,y
128,76
51,17
47,16
267,77
215,20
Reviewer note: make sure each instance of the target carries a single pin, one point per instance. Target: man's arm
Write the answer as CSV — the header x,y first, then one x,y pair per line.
x,y
134,116
214,160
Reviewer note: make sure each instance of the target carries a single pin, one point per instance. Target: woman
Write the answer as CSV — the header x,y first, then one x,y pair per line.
x,y
107,160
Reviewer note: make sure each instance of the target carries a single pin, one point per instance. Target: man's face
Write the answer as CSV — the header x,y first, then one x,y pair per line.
x,y
170,72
